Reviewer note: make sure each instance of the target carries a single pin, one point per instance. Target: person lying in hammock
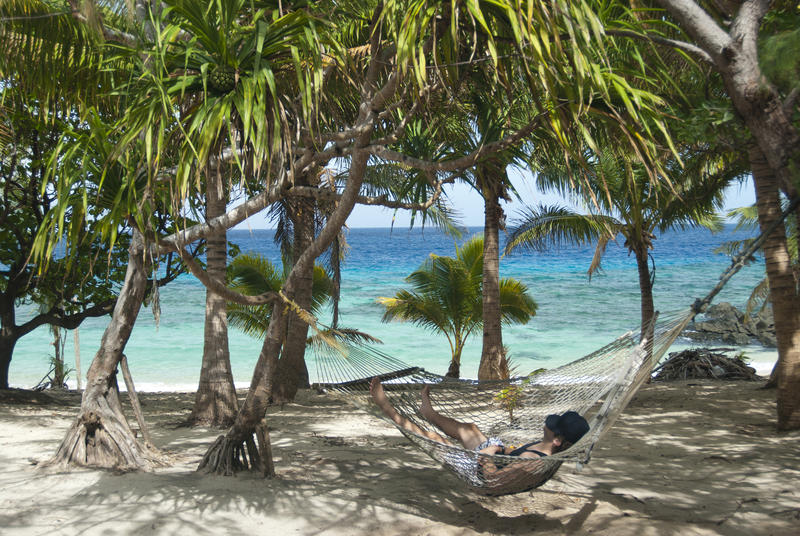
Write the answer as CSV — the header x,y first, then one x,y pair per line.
x,y
560,431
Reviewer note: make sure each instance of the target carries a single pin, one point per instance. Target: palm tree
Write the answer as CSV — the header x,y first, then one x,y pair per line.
x,y
625,201
490,179
253,275
446,297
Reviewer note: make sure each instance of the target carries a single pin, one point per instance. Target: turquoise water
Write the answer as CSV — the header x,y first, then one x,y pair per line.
x,y
575,316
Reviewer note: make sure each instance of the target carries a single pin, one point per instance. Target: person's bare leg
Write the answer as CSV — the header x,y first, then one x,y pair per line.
x,y
469,434
379,396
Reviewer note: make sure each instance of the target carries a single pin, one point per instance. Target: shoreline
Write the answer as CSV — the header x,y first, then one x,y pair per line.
x,y
761,358
687,457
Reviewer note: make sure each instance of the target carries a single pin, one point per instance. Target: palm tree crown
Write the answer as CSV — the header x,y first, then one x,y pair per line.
x,y
446,297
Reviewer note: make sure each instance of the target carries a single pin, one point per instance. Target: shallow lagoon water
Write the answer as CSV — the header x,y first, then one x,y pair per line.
x,y
575,316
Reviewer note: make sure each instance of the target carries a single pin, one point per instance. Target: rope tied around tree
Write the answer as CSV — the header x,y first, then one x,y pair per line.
x,y
740,260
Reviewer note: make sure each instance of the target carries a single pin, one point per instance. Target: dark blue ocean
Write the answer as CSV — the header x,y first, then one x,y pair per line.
x,y
575,315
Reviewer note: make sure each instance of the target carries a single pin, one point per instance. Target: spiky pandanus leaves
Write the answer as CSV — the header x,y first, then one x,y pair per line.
x,y
48,55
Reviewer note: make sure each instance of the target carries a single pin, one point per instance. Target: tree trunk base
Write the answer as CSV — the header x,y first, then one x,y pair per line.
x,y
237,452
100,440
454,370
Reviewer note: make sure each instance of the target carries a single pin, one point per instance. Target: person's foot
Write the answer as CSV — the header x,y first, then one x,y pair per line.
x,y
379,396
425,408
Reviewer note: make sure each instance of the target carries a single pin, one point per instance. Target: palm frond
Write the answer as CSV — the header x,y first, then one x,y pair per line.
x,y
538,228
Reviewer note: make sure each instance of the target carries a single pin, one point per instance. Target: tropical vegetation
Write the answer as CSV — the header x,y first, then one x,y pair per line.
x,y
166,108
446,297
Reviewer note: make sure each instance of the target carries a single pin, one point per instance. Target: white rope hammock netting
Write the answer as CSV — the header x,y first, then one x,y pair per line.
x,y
598,386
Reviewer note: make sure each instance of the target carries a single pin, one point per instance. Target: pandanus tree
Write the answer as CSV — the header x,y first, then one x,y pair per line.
x,y
285,130
156,148
445,297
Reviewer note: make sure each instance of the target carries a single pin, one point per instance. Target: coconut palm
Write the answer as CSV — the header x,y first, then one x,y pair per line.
x,y
625,200
446,297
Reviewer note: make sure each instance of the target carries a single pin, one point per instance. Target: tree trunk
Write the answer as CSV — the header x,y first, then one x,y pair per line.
x,y
783,293
215,402
237,450
493,364
7,344
646,290
292,372
8,336
100,436
454,370
734,53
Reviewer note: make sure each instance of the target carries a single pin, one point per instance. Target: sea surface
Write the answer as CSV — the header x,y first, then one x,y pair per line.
x,y
576,315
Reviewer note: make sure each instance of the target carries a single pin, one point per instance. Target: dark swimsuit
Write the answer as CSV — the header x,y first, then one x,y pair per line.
x,y
526,448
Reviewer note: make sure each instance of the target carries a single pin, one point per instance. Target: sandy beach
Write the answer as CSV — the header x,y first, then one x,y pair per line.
x,y
689,458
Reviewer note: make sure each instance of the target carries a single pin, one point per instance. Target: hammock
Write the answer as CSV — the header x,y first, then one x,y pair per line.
x,y
599,386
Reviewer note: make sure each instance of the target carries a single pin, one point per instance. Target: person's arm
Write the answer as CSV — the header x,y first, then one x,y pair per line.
x,y
490,468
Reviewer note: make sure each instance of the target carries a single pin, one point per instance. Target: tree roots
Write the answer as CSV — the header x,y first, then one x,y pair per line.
x,y
102,441
238,452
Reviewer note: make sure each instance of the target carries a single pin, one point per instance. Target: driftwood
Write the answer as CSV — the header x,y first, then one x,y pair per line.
x,y
711,363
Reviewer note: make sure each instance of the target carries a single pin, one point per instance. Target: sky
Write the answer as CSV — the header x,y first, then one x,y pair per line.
x,y
470,205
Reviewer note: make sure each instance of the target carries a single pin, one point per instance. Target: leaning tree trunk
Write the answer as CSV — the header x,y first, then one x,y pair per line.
x,y
783,293
215,401
100,436
292,372
237,450
734,53
493,364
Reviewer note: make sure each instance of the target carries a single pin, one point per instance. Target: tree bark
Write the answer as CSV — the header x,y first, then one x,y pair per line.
x,y
8,336
7,344
783,293
454,370
493,365
100,436
236,450
292,372
215,401
734,54
646,293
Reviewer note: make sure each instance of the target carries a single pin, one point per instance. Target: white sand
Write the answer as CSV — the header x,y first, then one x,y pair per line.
x,y
686,458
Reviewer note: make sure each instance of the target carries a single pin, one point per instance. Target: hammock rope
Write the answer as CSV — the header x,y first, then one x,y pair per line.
x,y
598,386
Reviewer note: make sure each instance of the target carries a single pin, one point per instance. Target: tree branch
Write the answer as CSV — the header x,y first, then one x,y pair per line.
x,y
252,206
701,27
219,288
681,45
56,317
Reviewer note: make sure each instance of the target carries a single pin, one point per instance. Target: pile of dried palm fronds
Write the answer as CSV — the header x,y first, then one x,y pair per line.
x,y
704,363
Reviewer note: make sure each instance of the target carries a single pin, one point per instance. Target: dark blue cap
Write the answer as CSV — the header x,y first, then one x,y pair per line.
x,y
571,426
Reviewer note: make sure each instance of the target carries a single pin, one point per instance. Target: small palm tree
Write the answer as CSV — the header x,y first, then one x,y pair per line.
x,y
253,275
446,297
